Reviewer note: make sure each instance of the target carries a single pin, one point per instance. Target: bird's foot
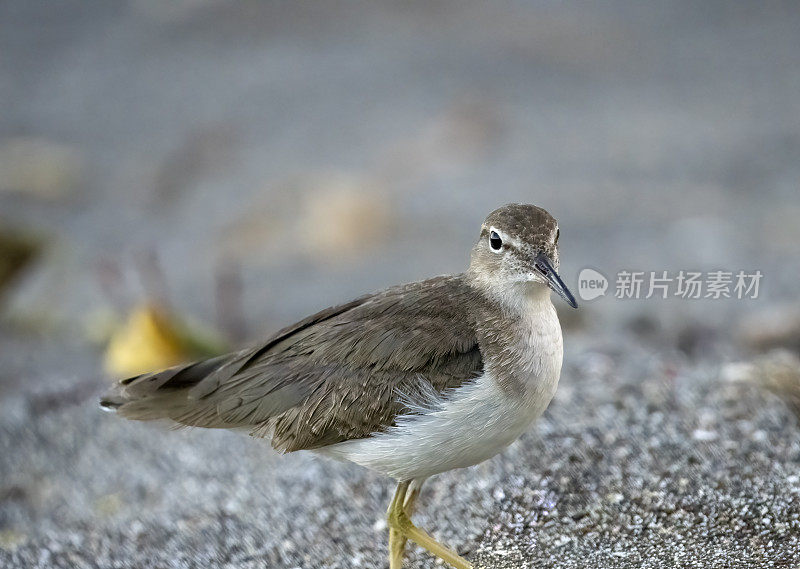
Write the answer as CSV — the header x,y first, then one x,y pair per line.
x,y
401,528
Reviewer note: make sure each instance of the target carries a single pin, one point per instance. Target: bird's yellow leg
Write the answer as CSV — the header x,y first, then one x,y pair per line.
x,y
397,543
401,528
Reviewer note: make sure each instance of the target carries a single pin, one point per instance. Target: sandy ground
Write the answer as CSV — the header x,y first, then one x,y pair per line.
x,y
331,150
647,458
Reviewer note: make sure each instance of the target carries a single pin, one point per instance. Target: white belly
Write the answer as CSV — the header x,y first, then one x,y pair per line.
x,y
471,423
477,423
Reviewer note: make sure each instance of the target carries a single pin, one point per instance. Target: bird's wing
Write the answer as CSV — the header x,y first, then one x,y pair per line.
x,y
343,373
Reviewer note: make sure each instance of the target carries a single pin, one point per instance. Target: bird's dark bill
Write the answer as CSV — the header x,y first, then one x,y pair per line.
x,y
545,267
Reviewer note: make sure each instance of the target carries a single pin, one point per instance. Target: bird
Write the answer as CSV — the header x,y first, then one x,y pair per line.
x,y
411,381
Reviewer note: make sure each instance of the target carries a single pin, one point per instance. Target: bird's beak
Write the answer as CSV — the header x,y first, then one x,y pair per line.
x,y
545,267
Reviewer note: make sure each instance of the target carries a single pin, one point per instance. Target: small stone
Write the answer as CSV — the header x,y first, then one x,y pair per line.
x,y
38,167
776,327
704,435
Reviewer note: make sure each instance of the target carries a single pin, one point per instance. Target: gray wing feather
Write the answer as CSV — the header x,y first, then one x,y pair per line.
x,y
336,375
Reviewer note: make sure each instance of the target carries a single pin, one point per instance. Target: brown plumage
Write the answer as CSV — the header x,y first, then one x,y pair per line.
x,y
405,357
343,373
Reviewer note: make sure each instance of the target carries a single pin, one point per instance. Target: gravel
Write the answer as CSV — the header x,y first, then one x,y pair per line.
x,y
644,459
662,137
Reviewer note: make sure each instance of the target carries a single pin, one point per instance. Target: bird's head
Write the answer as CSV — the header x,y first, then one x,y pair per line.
x,y
517,250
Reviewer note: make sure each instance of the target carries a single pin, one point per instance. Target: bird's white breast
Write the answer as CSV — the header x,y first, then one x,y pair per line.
x,y
475,421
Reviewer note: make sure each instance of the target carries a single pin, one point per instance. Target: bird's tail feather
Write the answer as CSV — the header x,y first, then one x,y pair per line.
x,y
159,395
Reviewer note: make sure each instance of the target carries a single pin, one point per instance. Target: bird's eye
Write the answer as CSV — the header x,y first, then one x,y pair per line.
x,y
494,241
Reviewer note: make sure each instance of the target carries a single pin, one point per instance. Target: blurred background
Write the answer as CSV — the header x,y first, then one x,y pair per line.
x,y
179,178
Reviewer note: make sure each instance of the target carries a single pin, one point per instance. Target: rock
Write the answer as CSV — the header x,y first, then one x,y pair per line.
x,y
345,216
39,168
338,218
778,371
776,327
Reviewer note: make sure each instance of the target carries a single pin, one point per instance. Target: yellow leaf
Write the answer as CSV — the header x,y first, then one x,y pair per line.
x,y
148,341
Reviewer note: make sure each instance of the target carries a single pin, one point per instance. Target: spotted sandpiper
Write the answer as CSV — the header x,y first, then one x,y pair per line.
x,y
411,381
